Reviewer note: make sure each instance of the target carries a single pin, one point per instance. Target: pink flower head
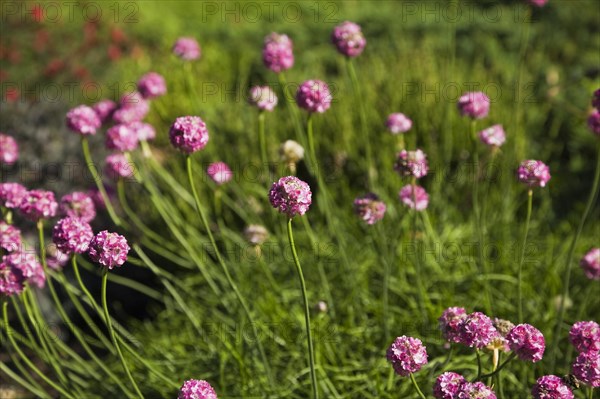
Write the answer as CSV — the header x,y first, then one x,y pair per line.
x,y
10,237
133,107
11,279
104,109
291,196
314,96
188,134
477,330
278,52
143,131
448,385
219,172
29,267
585,336
83,120
538,3
78,205
187,48
415,197
55,258
590,263
117,166
263,97
533,173
594,122
493,136
596,99
196,389
369,208
475,105
586,368
551,387
121,138
108,249
527,342
411,163
11,195
348,39
39,204
398,123
9,150
475,390
72,235
407,355
450,321
152,85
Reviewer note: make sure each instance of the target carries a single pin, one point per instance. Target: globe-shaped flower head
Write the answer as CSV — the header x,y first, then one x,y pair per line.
x,y
527,342
143,131
551,387
104,109
475,105
414,197
72,235
586,368
133,107
407,355
188,134
187,48
152,85
448,385
78,205
477,330
314,96
27,266
348,39
450,321
83,120
219,172
369,208
493,136
121,138
39,204
278,52
533,173
590,263
585,336
196,389
291,196
11,195
9,150
594,122
10,237
263,97
411,163
538,3
475,390
11,280
398,123
108,249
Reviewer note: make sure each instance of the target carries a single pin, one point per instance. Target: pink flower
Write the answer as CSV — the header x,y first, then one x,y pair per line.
x,y
369,208
196,389
83,120
551,387
263,98
132,108
475,105
39,204
527,342
72,235
291,196
411,163
586,368
278,53
450,321
121,138
594,122
188,134
448,385
219,172
152,85
415,197
348,39
477,330
10,237
11,279
585,336
314,96
407,355
104,109
11,195
29,267
538,3
108,249
493,136
143,131
78,205
117,166
475,390
533,173
187,48
590,263
9,150
398,123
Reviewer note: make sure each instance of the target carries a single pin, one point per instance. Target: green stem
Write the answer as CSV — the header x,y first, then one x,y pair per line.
x,y
414,382
590,392
311,355
422,293
225,269
500,367
567,278
311,143
522,258
262,141
114,337
26,359
36,390
478,363
98,180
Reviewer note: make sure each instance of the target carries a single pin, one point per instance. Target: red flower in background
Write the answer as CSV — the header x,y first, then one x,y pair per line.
x,y
117,36
12,94
41,40
90,32
55,66
114,52
37,13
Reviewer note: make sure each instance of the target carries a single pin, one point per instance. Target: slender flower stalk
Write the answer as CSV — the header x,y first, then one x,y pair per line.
x,y
261,138
98,180
522,257
311,141
414,382
311,356
113,336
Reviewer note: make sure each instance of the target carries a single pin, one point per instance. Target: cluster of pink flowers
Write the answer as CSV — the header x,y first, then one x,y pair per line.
x,y
314,96
278,52
187,48
188,134
219,172
291,196
108,249
9,150
349,39
585,337
10,237
493,136
398,123
196,389
39,204
590,263
121,137
527,342
78,205
12,195
551,387
152,85
369,208
72,235
474,105
533,173
415,197
83,120
133,107
104,110
411,163
407,355
117,166
17,269
263,97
